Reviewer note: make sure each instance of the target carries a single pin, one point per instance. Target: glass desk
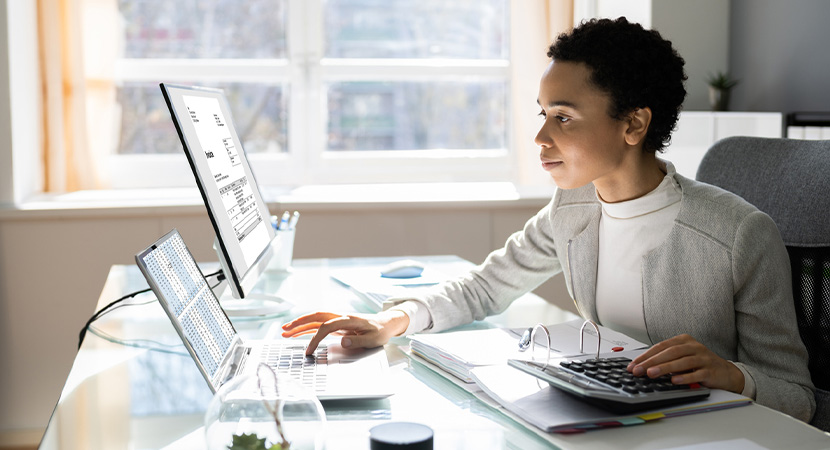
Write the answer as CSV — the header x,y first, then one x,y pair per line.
x,y
133,385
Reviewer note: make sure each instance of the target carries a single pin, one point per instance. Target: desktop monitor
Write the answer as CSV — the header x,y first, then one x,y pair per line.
x,y
239,216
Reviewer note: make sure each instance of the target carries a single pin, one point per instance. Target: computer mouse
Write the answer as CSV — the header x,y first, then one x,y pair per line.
x,y
405,268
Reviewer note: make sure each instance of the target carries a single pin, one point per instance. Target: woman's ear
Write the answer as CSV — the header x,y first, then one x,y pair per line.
x,y
638,122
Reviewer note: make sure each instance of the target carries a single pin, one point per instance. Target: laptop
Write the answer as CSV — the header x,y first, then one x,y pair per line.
x,y
333,372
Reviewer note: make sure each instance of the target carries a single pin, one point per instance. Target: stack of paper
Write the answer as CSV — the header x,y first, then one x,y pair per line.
x,y
461,351
479,359
553,410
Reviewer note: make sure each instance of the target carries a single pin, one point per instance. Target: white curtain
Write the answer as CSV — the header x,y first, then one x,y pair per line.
x,y
540,21
78,47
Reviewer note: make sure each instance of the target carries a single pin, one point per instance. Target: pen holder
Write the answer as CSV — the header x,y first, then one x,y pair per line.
x,y
283,248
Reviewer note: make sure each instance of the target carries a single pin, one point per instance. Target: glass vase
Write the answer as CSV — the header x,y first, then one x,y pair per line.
x,y
259,411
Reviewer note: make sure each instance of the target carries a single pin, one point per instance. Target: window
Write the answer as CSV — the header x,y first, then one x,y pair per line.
x,y
322,91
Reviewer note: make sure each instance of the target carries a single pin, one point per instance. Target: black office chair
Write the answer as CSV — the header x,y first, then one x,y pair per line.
x,y
789,180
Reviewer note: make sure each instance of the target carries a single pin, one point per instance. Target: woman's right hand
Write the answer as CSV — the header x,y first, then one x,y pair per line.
x,y
358,330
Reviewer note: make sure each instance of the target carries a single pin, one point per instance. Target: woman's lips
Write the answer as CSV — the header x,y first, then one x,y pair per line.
x,y
549,165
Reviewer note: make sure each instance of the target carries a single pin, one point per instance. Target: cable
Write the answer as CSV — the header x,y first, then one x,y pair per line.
x,y
112,307
137,343
103,311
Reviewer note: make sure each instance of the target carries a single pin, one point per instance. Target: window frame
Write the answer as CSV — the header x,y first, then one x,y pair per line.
x,y
306,74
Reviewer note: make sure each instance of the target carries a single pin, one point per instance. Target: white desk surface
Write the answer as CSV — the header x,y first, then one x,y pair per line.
x,y
123,397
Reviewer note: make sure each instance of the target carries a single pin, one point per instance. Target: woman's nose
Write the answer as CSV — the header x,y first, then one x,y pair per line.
x,y
542,138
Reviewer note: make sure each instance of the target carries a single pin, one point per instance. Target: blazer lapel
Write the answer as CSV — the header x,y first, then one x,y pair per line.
x,y
582,255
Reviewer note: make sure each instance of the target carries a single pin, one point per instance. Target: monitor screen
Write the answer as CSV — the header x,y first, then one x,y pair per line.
x,y
240,217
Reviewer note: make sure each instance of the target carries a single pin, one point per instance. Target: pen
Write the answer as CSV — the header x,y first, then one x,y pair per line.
x,y
524,340
292,223
284,221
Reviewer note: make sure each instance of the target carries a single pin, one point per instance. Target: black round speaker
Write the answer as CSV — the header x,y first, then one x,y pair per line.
x,y
400,436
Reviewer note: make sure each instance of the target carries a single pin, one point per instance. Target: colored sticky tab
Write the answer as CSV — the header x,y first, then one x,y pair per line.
x,y
568,430
610,424
631,421
653,416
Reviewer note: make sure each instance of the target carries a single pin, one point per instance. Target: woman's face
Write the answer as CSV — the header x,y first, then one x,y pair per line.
x,y
579,142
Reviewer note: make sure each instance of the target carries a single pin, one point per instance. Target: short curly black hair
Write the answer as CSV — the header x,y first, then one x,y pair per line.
x,y
635,66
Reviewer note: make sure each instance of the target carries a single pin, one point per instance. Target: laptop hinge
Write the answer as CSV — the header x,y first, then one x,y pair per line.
x,y
236,361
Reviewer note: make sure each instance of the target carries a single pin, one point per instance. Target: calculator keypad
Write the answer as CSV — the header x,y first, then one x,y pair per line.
x,y
612,372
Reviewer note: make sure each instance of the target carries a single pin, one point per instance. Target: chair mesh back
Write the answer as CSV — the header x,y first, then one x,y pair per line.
x,y
811,292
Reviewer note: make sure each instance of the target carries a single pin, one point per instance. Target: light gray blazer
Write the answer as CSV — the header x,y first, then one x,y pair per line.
x,y
722,276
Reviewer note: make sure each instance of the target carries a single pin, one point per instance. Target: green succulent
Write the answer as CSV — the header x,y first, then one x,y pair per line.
x,y
721,80
252,442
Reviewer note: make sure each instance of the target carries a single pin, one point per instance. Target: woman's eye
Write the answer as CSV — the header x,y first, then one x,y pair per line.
x,y
563,119
542,113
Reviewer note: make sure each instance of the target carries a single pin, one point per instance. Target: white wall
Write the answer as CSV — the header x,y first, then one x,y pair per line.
x,y
6,168
24,98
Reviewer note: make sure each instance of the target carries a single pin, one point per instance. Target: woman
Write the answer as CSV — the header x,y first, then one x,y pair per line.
x,y
688,267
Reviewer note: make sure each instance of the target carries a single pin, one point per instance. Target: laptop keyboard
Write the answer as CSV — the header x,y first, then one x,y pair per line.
x,y
310,371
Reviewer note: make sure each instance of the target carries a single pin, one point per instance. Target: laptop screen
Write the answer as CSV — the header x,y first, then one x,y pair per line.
x,y
185,295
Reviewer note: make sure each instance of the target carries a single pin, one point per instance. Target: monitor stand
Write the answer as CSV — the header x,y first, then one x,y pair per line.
x,y
253,306
256,305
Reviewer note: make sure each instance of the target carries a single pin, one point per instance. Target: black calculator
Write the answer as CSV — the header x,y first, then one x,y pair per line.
x,y
606,383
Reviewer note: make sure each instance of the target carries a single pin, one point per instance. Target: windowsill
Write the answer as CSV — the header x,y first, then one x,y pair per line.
x,y
305,198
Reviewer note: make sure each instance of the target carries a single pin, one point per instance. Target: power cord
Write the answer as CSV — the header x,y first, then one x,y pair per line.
x,y
137,343
115,305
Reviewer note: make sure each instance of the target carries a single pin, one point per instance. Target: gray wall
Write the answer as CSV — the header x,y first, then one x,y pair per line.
x,y
779,51
699,30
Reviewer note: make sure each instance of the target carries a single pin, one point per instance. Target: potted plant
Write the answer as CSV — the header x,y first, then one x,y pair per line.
x,y
720,84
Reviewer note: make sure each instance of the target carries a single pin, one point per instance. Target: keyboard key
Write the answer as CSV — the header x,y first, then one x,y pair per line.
x,y
619,359
291,360
631,389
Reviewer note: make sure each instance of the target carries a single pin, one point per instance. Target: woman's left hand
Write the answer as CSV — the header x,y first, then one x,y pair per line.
x,y
690,362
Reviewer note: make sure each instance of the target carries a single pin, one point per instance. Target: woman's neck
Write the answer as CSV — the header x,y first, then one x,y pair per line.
x,y
634,179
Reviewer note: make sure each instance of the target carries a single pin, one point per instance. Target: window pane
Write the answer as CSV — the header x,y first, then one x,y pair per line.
x,y
259,113
203,28
416,116
468,29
